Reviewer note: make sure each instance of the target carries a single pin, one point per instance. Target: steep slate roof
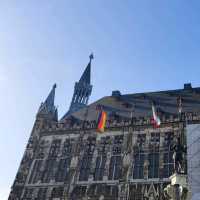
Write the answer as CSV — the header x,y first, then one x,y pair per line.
x,y
140,104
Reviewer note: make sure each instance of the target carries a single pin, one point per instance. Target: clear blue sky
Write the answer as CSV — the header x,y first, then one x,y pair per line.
x,y
138,46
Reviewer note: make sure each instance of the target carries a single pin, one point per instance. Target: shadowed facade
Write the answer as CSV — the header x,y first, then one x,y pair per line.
x,y
68,159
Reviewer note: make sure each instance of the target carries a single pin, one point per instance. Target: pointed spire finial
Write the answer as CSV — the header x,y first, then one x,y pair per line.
x,y
54,86
87,73
91,57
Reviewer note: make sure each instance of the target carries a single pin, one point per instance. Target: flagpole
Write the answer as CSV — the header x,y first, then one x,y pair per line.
x,y
98,112
85,117
131,117
185,122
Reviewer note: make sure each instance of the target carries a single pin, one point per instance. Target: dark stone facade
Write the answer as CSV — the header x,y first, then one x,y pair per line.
x,y
69,159
64,162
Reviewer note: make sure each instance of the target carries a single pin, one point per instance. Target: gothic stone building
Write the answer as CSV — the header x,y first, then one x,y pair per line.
x,y
69,159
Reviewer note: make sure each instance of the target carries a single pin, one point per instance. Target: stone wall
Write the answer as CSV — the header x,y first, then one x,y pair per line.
x,y
120,163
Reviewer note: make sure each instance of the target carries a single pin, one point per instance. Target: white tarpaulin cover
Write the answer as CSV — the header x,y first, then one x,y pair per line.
x,y
193,159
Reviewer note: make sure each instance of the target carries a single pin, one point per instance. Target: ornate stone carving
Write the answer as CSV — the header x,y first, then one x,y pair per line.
x,y
178,156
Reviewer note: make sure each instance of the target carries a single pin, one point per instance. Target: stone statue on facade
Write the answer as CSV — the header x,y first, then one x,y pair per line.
x,y
146,169
101,197
179,157
126,165
170,193
127,158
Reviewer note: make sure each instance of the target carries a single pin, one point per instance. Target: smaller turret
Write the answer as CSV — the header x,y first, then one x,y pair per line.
x,y
47,109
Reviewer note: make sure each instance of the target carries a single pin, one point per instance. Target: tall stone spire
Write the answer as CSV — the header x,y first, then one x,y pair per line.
x,y
86,76
82,90
48,109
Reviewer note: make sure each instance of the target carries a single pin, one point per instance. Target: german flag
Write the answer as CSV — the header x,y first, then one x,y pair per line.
x,y
101,121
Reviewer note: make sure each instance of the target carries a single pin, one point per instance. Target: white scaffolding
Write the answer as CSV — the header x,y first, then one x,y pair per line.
x,y
193,159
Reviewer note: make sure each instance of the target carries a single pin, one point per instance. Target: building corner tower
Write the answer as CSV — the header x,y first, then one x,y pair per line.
x,y
82,90
46,115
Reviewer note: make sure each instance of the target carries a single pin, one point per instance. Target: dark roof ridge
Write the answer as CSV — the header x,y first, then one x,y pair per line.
x,y
160,91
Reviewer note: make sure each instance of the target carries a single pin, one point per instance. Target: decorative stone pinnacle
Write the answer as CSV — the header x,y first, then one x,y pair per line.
x,y
54,86
91,57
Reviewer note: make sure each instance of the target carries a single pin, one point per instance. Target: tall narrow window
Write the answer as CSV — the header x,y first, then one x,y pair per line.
x,y
36,173
42,194
85,168
115,170
138,170
63,169
100,167
57,192
136,193
139,157
28,194
92,191
78,192
111,192
49,172
67,148
104,145
87,159
117,145
41,150
168,155
55,148
154,164
153,156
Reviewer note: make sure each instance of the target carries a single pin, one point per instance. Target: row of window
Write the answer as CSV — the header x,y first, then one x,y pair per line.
x,y
51,170
42,193
115,167
105,142
94,191
78,191
59,170
55,148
